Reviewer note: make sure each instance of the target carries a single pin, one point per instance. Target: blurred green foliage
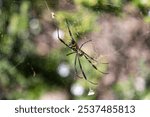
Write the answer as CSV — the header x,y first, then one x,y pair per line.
x,y
26,75
79,25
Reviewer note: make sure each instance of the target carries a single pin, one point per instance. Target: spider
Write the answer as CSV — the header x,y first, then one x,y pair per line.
x,y
79,53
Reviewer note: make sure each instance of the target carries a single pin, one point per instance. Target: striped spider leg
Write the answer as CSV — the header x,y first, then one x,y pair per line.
x,y
79,53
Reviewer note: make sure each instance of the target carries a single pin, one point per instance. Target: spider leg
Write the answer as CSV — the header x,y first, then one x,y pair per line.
x,y
84,52
70,33
84,43
83,72
75,63
58,30
94,65
70,53
89,57
62,39
87,54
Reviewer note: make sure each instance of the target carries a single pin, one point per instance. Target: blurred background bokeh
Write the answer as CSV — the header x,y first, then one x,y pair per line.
x,y
33,62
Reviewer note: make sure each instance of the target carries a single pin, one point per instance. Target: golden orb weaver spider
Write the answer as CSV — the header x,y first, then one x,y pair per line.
x,y
79,53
